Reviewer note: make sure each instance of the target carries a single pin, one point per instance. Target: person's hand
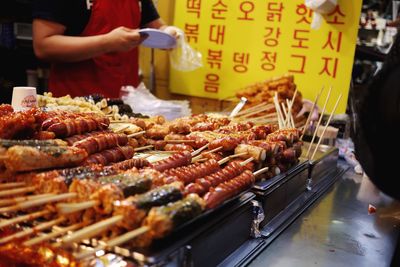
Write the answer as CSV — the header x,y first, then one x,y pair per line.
x,y
307,106
123,39
172,30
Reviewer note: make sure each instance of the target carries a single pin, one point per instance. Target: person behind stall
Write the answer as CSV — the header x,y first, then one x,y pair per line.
x,y
376,143
92,45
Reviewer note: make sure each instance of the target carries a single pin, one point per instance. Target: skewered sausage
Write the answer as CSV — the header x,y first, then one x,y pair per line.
x,y
178,147
227,143
97,143
228,189
174,161
78,125
108,156
202,185
188,174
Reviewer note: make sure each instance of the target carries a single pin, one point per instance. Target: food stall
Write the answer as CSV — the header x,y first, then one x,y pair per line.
x,y
90,181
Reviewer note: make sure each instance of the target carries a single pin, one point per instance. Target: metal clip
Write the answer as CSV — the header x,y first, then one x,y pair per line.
x,y
259,216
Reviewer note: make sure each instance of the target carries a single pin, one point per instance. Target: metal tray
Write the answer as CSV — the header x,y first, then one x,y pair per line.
x,y
278,192
205,241
324,163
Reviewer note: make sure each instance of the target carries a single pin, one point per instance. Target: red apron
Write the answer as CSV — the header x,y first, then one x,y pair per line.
x,y
104,74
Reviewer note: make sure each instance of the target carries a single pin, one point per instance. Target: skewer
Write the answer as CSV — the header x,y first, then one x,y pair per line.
x,y
290,122
278,111
114,242
207,152
91,230
286,115
32,230
24,218
326,126
290,104
11,185
180,141
261,171
118,121
66,208
319,121
37,202
311,112
22,190
243,163
267,116
143,148
250,109
255,112
198,151
228,158
54,234
122,129
256,109
238,107
3,157
15,200
136,134
161,152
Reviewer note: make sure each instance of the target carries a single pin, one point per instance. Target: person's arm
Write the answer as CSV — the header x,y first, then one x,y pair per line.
x,y
159,24
51,45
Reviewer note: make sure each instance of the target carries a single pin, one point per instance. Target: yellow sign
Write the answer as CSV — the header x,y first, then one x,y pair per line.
x,y
243,42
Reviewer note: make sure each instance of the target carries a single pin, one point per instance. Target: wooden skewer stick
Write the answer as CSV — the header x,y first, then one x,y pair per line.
x,y
91,230
180,141
311,112
15,200
47,237
278,111
326,126
290,104
11,185
261,171
266,108
136,134
3,157
319,121
228,158
286,115
119,121
268,116
32,230
66,208
251,109
24,218
243,163
143,148
114,242
207,152
198,151
122,129
37,202
161,152
16,191
290,122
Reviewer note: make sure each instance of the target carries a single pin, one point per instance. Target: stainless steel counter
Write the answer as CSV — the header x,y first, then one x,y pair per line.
x,y
337,230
